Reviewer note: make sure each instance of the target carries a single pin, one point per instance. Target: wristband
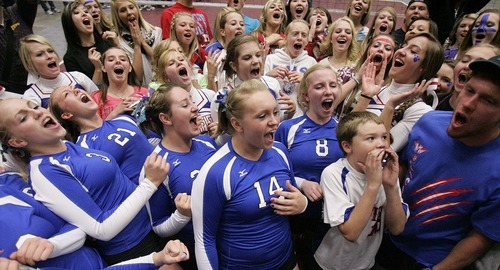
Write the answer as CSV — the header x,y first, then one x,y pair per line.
x,y
365,96
355,80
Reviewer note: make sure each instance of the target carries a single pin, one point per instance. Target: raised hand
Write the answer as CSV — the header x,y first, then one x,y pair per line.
x,y
156,168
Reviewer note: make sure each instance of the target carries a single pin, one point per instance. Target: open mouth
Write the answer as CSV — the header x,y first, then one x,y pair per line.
x,y
270,135
342,41
49,122
378,58
358,8
398,63
84,98
131,19
462,78
384,27
299,10
194,120
188,35
413,17
86,21
327,104
459,119
238,33
318,22
276,15
236,2
183,72
95,16
52,64
118,70
297,46
480,35
255,72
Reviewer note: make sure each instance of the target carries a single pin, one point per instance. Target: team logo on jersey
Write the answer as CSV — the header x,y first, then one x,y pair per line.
x,y
95,137
243,172
66,158
418,149
176,162
306,130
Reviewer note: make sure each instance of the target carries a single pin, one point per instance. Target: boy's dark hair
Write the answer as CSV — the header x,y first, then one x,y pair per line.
x,y
347,128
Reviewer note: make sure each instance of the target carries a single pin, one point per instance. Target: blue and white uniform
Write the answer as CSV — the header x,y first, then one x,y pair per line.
x,y
184,167
86,188
312,147
450,188
234,224
39,92
22,217
343,188
122,138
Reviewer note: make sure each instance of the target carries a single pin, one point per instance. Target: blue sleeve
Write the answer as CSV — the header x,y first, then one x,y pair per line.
x,y
64,194
282,133
208,200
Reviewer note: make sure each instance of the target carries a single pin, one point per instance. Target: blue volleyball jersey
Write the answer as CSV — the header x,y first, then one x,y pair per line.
x,y
21,214
184,167
122,138
86,188
312,148
234,224
450,189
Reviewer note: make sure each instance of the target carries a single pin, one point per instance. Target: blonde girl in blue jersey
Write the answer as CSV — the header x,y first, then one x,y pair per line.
x,y
312,146
174,116
245,191
82,186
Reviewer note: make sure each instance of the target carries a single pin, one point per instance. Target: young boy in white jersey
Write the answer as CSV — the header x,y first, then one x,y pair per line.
x,y
289,64
361,195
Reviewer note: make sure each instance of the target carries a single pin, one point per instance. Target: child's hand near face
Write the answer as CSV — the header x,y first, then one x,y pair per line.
x,y
373,167
391,169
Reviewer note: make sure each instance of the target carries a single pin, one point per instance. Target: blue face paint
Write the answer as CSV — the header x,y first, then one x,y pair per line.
x,y
482,29
416,58
448,84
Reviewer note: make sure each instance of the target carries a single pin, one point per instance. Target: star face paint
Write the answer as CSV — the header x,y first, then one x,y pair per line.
x,y
416,58
485,28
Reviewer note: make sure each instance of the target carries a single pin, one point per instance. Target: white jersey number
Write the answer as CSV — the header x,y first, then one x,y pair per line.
x,y
118,138
322,147
273,185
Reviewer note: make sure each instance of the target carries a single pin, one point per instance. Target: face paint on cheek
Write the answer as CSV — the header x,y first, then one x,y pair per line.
x,y
416,58
448,84
482,27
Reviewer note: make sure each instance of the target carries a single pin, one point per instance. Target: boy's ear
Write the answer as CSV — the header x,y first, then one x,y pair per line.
x,y
346,146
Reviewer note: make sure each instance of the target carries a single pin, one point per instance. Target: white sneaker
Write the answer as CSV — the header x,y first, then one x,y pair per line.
x,y
49,12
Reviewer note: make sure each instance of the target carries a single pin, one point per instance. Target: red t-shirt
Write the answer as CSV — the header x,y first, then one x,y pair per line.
x,y
203,30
